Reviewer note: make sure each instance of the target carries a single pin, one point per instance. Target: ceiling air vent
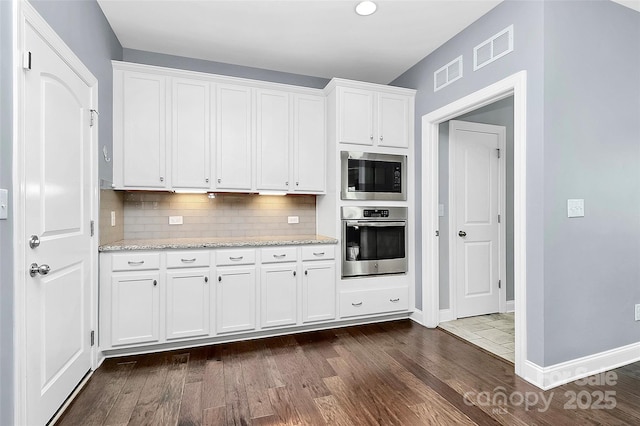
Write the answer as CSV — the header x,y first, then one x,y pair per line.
x,y
494,48
447,74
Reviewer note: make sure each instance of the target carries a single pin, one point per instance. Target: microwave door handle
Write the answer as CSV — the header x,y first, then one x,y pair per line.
x,y
375,224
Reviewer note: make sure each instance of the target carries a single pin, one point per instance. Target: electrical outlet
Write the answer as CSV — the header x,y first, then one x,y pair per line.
x,y
113,218
293,219
638,312
175,220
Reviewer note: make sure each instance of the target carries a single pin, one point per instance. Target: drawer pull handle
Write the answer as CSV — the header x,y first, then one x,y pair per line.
x,y
397,299
279,256
318,253
357,304
138,263
235,259
188,260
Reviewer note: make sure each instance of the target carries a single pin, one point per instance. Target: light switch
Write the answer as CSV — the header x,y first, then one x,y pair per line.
x,y
175,220
293,219
4,204
575,208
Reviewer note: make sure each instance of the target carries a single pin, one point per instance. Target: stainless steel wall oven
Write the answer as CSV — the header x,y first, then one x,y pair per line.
x,y
374,240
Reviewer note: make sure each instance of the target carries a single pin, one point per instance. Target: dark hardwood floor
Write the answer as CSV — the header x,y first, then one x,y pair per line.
x,y
391,373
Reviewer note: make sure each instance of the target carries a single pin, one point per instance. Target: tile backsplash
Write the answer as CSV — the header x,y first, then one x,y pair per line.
x,y
111,201
146,215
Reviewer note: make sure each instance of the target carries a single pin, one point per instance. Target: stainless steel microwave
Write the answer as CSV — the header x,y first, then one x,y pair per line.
x,y
369,176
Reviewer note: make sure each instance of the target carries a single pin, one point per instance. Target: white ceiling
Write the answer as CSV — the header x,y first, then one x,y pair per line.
x,y
318,38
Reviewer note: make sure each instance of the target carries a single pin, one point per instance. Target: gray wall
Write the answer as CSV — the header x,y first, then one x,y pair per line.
x,y
527,18
83,27
499,113
592,151
180,62
583,128
6,238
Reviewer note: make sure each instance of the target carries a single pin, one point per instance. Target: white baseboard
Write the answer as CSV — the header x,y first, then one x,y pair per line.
x,y
511,305
446,315
565,372
416,316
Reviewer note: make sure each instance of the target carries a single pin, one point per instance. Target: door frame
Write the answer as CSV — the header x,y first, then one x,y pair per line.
x,y
515,85
453,209
24,14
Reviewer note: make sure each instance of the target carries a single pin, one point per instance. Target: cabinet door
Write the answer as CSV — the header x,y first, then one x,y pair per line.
x,y
187,311
135,303
273,140
190,134
318,291
235,299
393,120
233,133
309,143
143,116
355,118
279,295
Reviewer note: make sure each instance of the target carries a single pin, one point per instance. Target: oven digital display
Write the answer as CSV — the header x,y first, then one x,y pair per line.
x,y
376,213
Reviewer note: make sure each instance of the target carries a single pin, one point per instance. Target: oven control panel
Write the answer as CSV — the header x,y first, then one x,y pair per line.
x,y
375,213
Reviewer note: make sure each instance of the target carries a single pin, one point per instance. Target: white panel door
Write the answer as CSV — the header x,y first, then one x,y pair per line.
x,y
135,308
279,295
309,143
190,134
144,135
393,120
187,299
235,299
59,184
476,197
234,161
355,116
318,291
273,140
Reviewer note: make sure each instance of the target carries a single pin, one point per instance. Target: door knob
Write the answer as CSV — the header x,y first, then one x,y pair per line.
x,y
42,269
34,241
462,234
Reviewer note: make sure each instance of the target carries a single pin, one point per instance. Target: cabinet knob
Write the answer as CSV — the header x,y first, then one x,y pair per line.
x,y
155,283
286,183
297,183
206,180
306,272
380,137
161,179
294,273
206,279
371,137
219,278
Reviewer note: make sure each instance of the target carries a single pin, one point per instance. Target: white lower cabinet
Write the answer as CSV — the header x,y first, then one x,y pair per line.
x,y
318,291
235,299
374,301
187,303
279,294
135,308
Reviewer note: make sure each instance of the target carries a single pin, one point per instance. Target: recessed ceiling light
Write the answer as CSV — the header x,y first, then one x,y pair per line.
x,y
366,8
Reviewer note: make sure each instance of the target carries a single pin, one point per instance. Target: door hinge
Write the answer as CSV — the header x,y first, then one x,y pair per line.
x,y
94,117
499,218
498,151
437,233
93,227
26,60
93,337
499,283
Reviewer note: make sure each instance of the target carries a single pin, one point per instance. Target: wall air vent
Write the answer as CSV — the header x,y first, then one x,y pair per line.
x,y
447,74
494,48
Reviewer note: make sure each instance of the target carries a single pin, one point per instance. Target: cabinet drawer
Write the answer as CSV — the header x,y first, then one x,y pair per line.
x,y
235,257
318,252
278,254
187,259
368,302
135,261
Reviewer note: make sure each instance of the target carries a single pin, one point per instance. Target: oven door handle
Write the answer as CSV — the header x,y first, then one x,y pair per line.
x,y
380,224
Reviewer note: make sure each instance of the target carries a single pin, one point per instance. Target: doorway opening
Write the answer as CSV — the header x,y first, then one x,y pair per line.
x,y
512,89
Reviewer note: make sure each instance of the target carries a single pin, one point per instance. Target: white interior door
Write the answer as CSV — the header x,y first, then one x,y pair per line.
x,y
58,203
476,181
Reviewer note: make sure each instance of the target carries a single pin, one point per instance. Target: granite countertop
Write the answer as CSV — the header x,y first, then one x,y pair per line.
x,y
211,242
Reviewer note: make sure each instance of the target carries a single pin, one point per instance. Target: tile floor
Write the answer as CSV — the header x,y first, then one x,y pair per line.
x,y
494,333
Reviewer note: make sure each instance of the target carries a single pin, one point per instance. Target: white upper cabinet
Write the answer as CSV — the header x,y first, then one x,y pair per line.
x,y
356,116
140,144
190,134
233,137
309,144
273,140
374,118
